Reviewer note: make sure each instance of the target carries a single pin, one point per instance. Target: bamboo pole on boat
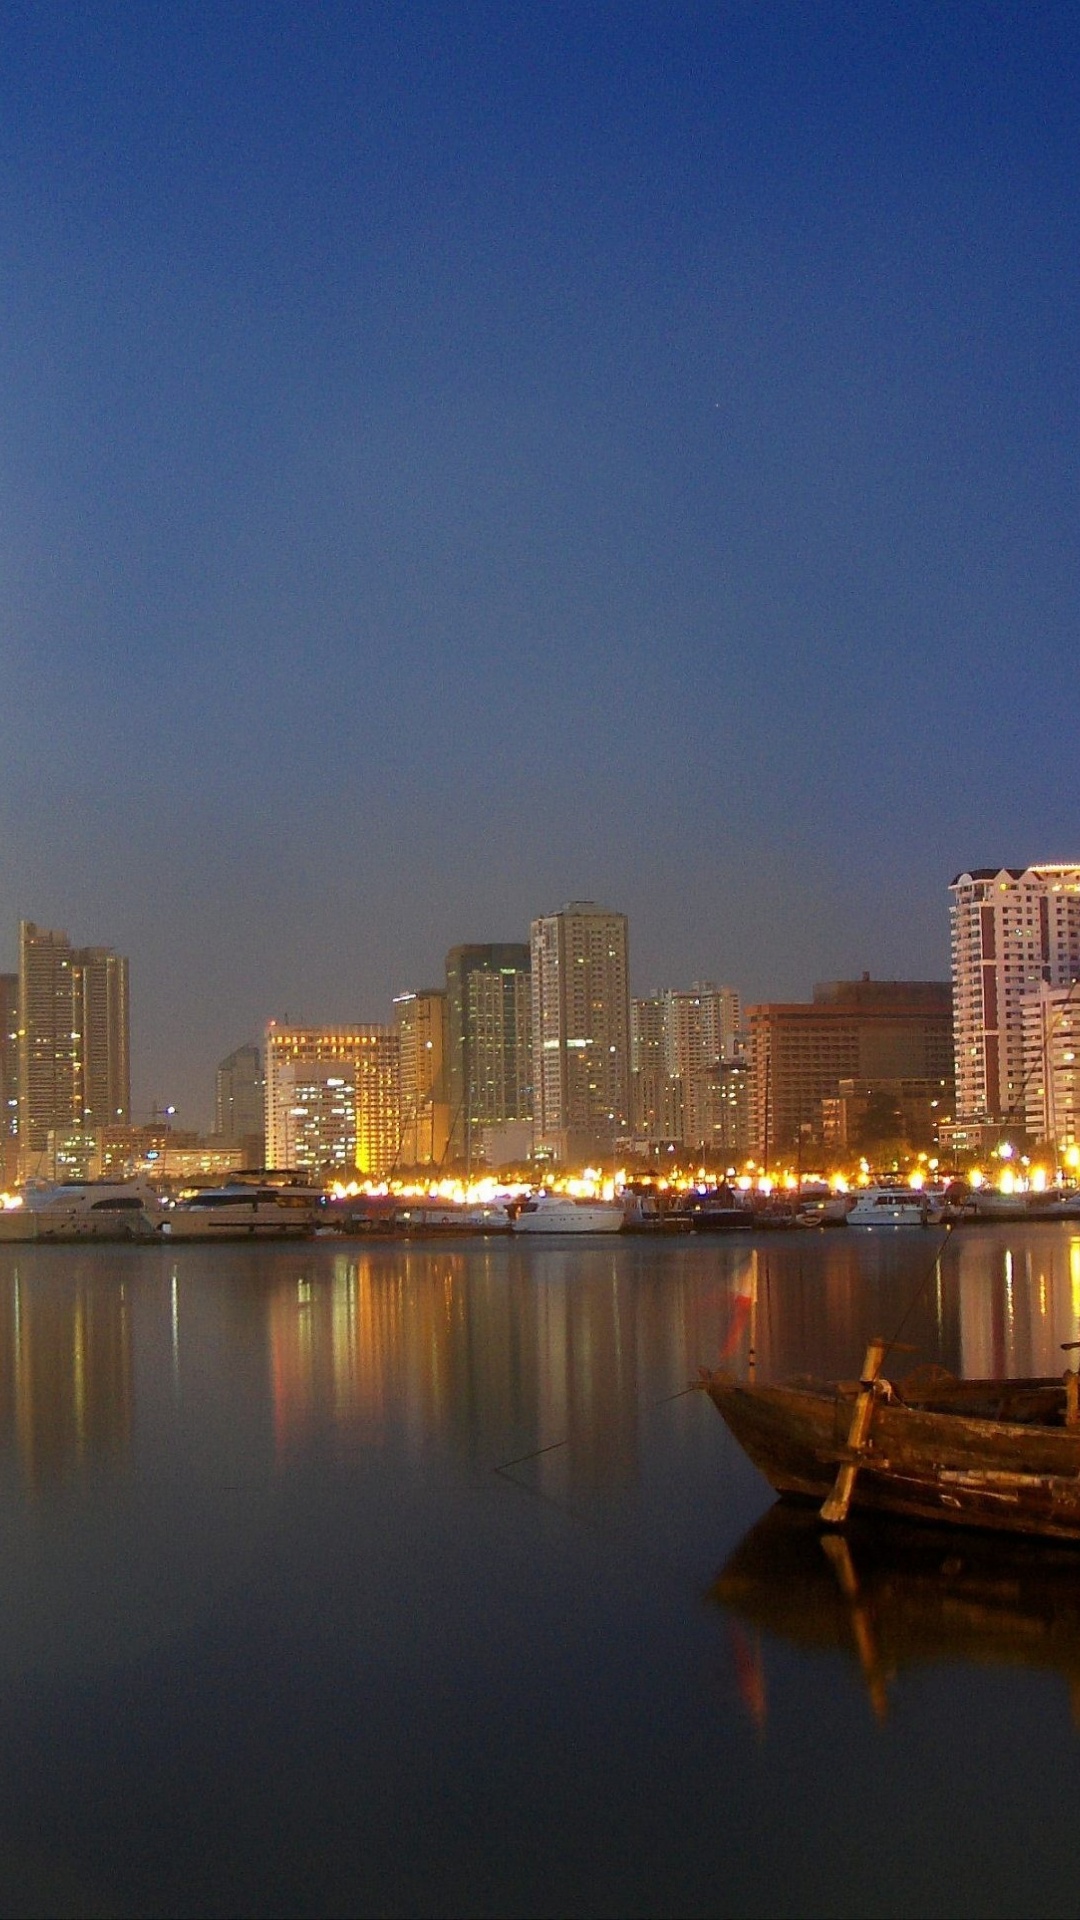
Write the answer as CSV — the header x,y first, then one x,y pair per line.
x,y
834,1511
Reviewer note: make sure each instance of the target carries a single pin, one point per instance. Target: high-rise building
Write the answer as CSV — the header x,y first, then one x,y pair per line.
x,y
700,1028
317,1118
364,1060
1051,1028
581,1031
725,1111
864,1030
1014,930
74,1051
240,1095
678,1040
421,1022
489,1024
651,1115
9,1079
378,1105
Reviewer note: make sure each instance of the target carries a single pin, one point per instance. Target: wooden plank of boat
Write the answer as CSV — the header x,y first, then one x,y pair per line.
x,y
988,1454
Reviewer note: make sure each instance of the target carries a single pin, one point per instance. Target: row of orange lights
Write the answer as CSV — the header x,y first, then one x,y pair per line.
x,y
1011,1173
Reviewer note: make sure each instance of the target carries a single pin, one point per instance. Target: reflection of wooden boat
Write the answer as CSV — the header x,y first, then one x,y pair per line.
x,y
893,1596
983,1453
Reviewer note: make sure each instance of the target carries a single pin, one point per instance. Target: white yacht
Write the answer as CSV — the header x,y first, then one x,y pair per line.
x,y
892,1207
243,1212
425,1216
560,1213
986,1203
84,1210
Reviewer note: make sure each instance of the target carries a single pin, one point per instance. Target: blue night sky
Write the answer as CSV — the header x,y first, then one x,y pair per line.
x,y
459,458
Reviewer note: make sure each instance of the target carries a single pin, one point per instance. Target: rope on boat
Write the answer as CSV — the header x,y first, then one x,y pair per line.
x,y
553,1446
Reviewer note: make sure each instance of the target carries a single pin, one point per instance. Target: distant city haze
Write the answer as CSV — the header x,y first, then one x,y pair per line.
x,y
460,460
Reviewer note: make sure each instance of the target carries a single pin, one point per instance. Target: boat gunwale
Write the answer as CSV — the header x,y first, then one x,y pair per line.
x,y
939,1465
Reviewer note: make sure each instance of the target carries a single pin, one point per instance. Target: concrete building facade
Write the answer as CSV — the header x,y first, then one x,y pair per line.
x,y
651,1114
74,1072
489,1038
9,1079
864,1030
423,1047
678,1041
1051,1032
240,1095
1014,930
581,1031
701,1027
365,1060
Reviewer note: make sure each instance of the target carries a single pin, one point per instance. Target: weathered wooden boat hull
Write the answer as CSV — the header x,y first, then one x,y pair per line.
x,y
943,1461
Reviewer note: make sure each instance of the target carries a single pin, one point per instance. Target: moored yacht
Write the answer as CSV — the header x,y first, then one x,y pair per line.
x,y
449,1216
561,1213
243,1212
893,1207
84,1210
987,1203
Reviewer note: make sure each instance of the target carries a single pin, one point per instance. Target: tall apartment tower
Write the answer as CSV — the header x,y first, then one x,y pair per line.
x,y
679,1041
581,1031
1051,1023
1014,929
9,1079
240,1095
489,1029
333,1099
74,1046
701,1028
421,1022
650,1111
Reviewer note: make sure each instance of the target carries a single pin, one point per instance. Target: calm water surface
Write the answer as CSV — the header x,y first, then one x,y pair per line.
x,y
389,1579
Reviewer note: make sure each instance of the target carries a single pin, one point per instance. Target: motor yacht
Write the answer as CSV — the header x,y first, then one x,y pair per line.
x,y
560,1213
986,1203
893,1207
84,1210
243,1212
423,1216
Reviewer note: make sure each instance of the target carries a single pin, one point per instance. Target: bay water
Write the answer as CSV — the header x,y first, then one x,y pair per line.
x,y
408,1578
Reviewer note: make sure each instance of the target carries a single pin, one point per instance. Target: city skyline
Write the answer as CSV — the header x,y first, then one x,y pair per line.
x,y
201,1074
460,459
544,1051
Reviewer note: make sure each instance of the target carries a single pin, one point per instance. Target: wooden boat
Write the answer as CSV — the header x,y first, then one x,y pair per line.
x,y
1003,1454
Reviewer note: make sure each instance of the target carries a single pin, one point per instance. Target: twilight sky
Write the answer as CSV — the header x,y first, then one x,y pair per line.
x,y
456,458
